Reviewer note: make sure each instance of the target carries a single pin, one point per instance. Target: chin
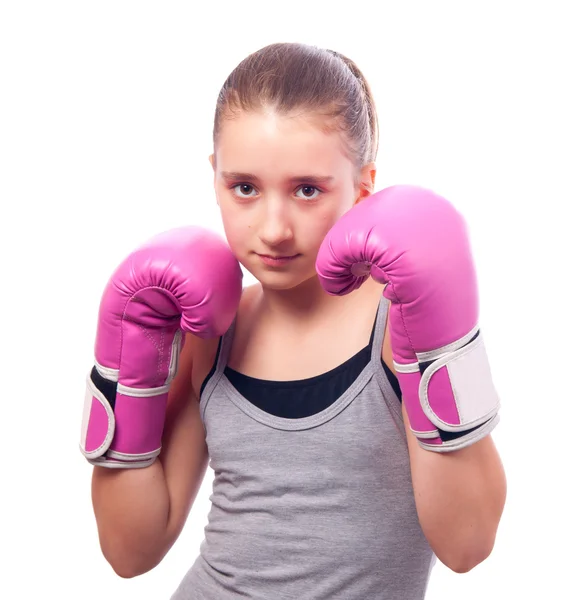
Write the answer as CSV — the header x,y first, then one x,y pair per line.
x,y
276,279
282,281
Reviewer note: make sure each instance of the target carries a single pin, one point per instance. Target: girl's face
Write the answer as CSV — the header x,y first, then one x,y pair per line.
x,y
281,183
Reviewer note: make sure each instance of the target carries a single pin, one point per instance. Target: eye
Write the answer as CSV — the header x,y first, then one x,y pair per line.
x,y
246,190
310,192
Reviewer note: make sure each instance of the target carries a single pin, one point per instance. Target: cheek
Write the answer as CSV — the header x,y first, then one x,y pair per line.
x,y
323,220
314,229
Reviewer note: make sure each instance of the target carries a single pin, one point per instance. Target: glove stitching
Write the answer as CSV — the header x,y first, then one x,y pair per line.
x,y
402,317
122,329
161,348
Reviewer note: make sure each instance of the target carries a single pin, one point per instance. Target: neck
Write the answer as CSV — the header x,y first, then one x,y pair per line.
x,y
307,301
297,304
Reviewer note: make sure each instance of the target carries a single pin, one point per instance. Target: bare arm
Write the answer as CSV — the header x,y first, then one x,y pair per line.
x,y
459,498
459,495
141,512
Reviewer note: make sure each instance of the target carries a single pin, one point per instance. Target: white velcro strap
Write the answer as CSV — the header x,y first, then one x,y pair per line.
x,y
430,434
118,464
91,392
146,456
406,367
126,390
107,372
473,389
432,355
465,440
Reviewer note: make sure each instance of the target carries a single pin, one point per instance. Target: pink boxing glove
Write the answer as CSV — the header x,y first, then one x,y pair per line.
x,y
416,243
183,280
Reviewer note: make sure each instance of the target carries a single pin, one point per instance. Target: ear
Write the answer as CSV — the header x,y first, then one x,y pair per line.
x,y
367,181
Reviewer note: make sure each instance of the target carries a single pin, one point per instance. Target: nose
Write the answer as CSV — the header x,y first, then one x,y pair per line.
x,y
275,226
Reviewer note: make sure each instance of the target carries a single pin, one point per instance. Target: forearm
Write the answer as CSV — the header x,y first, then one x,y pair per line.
x,y
141,512
459,497
132,508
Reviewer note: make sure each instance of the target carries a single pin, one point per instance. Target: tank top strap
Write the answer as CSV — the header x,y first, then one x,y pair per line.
x,y
380,329
222,357
383,377
225,347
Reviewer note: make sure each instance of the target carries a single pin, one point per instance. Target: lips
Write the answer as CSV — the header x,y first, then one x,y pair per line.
x,y
276,260
277,257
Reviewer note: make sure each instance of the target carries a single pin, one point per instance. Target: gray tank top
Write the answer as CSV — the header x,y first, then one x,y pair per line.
x,y
313,508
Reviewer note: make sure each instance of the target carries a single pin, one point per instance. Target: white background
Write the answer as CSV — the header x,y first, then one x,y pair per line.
x,y
105,128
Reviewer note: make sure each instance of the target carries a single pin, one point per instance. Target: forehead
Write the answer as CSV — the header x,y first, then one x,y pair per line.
x,y
267,141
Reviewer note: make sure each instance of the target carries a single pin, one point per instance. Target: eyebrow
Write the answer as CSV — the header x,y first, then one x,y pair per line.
x,y
310,179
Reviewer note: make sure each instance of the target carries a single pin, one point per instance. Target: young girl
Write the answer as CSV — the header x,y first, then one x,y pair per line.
x,y
321,489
